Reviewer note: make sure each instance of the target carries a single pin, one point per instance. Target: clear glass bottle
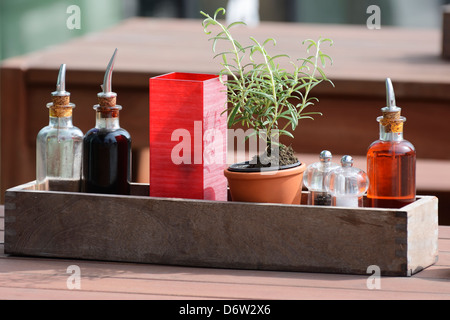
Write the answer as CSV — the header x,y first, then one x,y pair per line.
x,y
107,146
59,145
314,178
391,160
347,184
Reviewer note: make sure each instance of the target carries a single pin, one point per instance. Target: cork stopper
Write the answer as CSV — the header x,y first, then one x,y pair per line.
x,y
107,102
61,106
392,121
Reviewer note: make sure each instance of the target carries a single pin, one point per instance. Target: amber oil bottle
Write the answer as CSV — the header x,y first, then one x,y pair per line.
x,y
391,160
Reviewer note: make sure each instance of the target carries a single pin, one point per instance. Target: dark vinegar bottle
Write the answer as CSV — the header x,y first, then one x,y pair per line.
x,y
107,147
391,161
107,155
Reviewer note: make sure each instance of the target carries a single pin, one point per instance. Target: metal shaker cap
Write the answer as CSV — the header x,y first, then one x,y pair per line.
x,y
347,161
325,156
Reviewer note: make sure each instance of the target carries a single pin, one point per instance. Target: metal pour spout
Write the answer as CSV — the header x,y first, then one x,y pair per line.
x,y
61,83
390,96
107,81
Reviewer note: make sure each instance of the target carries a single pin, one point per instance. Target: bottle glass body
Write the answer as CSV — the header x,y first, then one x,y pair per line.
x,y
391,166
107,154
59,153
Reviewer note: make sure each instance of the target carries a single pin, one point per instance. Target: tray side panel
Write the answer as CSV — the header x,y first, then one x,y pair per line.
x,y
422,239
204,233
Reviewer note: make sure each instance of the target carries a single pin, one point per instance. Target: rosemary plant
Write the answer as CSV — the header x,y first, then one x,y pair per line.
x,y
260,92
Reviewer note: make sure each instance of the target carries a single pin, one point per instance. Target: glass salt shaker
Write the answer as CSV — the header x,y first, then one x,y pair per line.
x,y
347,184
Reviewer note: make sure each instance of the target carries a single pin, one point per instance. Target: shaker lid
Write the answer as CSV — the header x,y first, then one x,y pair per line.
x,y
325,155
347,161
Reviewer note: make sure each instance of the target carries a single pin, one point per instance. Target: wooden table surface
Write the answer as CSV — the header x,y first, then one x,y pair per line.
x,y
40,278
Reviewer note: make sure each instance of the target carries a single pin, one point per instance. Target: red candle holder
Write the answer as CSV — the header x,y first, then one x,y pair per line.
x,y
188,132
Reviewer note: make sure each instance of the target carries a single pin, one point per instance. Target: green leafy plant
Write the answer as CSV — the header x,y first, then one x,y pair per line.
x,y
260,92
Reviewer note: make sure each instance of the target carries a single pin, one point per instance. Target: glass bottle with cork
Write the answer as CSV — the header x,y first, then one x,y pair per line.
x,y
107,146
391,160
59,145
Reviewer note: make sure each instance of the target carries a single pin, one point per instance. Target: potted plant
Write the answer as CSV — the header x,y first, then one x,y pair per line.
x,y
270,101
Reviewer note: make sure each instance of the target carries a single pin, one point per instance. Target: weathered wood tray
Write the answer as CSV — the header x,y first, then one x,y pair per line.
x,y
145,229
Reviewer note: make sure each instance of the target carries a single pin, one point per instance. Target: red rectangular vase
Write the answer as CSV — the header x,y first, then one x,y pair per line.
x,y
188,136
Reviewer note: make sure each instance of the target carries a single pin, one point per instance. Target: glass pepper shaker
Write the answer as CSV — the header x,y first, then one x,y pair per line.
x,y
347,184
59,145
107,146
314,178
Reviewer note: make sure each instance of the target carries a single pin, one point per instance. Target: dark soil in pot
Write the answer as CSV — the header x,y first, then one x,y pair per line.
x,y
283,158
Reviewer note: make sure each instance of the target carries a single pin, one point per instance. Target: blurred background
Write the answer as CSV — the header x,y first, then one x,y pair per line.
x,y
29,25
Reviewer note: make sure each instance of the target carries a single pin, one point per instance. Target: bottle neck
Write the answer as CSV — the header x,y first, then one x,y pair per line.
x,y
390,136
60,116
61,122
107,117
391,130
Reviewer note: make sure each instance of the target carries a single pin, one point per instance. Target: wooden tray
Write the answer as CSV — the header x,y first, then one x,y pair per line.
x,y
145,229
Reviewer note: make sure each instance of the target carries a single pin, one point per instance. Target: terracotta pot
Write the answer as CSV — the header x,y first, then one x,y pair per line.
x,y
277,186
